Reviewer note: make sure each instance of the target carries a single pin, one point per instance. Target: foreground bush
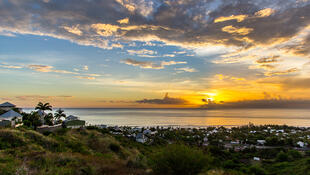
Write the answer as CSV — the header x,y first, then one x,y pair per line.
x,y
179,160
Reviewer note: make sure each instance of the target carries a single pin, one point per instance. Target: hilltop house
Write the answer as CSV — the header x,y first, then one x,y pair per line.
x,y
42,114
301,144
141,138
72,117
261,142
147,132
74,122
10,118
7,106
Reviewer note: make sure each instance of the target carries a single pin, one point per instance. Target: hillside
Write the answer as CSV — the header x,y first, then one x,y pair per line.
x,y
64,152
95,151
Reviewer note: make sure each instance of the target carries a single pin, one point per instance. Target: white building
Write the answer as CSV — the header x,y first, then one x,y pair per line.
x,y
11,116
72,117
235,142
42,114
301,144
74,123
102,126
141,138
261,142
256,158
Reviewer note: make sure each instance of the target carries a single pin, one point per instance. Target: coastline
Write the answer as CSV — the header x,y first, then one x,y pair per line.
x,y
190,118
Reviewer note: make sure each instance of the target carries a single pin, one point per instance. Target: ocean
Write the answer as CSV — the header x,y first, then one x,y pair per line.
x,y
191,117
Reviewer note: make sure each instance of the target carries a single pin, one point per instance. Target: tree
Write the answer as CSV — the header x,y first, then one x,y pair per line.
x,y
59,113
32,120
48,119
282,157
43,107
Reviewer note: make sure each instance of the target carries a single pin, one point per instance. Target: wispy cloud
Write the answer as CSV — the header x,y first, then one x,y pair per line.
x,y
264,103
186,69
46,68
143,52
10,66
41,68
40,97
85,67
292,70
86,77
272,59
150,64
168,55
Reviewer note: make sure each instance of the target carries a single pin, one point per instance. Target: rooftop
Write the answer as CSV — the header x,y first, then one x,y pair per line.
x,y
10,114
7,104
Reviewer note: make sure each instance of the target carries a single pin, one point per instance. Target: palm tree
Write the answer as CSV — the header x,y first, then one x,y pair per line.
x,y
44,107
59,113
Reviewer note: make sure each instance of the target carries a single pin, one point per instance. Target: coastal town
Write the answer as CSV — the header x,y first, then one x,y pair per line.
x,y
248,149
236,138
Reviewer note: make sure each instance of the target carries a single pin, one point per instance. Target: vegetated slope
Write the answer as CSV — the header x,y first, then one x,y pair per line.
x,y
67,151
95,151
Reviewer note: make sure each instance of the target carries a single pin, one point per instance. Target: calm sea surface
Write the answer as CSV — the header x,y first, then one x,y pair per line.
x,y
191,117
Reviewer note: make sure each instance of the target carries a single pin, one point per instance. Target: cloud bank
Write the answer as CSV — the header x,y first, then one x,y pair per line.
x,y
166,100
265,103
150,64
105,23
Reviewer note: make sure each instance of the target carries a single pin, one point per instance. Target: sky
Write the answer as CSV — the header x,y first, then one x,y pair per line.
x,y
155,53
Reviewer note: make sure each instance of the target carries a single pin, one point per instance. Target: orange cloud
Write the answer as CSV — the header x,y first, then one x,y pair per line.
x,y
236,30
265,12
238,18
74,29
123,21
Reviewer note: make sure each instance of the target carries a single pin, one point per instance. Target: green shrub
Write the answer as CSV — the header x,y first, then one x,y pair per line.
x,y
257,170
114,147
294,154
282,157
230,164
179,160
138,162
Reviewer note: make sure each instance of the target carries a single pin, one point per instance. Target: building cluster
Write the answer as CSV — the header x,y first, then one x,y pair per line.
x,y
12,116
238,138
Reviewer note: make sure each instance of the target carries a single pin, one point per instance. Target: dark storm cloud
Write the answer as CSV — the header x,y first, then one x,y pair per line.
x,y
165,100
182,22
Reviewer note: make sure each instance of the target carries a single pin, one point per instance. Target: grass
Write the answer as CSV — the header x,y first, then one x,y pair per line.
x,y
69,151
93,151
